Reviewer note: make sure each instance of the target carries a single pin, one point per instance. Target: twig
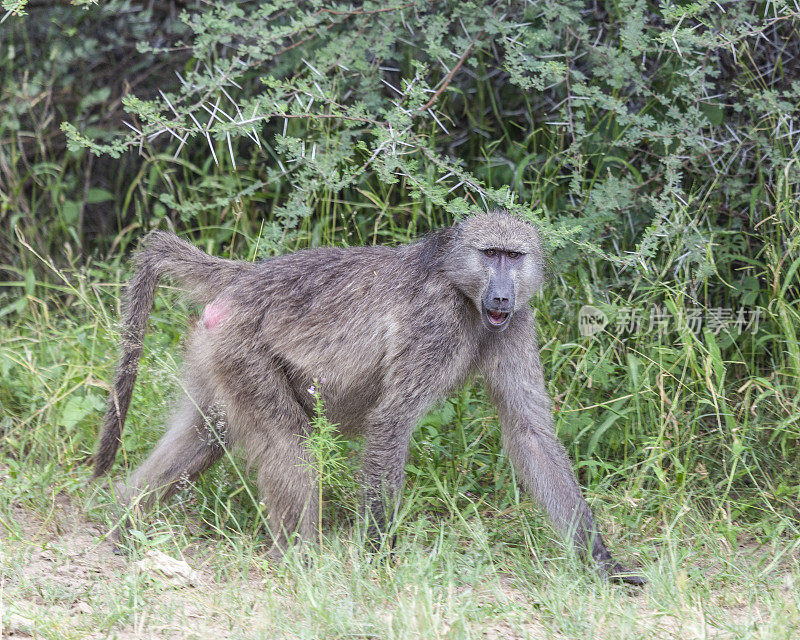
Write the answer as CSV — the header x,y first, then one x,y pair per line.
x,y
449,77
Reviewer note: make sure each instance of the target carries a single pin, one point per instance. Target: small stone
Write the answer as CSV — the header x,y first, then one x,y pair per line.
x,y
83,608
48,555
16,622
169,568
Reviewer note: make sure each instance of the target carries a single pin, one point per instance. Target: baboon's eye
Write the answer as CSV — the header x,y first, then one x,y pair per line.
x,y
490,252
514,254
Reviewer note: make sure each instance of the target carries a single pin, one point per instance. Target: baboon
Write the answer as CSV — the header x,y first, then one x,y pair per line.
x,y
391,330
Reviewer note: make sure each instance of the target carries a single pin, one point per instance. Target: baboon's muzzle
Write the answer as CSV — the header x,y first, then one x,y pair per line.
x,y
497,301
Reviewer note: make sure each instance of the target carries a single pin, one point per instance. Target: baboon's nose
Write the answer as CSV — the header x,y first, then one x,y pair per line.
x,y
500,301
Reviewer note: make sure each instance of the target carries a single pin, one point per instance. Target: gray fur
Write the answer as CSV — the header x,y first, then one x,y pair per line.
x,y
390,330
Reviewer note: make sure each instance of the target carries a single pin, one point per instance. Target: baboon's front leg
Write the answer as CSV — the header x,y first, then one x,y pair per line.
x,y
383,473
513,374
388,439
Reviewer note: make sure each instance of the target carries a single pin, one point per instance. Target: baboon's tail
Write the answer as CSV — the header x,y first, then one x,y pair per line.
x,y
203,276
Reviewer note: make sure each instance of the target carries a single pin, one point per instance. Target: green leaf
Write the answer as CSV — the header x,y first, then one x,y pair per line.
x,y
96,195
77,408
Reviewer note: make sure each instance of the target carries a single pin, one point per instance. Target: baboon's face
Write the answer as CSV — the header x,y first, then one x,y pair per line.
x,y
499,296
498,265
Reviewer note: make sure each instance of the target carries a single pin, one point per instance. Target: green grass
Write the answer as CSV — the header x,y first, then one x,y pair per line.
x,y
688,457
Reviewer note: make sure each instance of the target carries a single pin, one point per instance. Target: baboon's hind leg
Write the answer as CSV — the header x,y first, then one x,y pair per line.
x,y
193,442
272,428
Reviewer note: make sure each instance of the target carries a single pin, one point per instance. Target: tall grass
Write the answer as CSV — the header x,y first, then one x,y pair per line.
x,y
685,442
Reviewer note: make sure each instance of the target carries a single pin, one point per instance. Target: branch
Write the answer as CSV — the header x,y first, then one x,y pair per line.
x,y
449,77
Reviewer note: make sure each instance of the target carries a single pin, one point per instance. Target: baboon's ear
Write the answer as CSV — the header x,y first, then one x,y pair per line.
x,y
450,235
437,245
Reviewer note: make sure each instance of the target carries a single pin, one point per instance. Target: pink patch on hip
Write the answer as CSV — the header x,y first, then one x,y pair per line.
x,y
214,313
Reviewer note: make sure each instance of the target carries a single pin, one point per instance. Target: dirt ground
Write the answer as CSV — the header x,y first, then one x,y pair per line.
x,y
66,578
62,580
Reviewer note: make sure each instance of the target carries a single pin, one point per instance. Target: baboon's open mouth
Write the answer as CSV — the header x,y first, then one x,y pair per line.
x,y
496,317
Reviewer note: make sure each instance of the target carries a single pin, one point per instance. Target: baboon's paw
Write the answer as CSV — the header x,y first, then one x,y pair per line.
x,y
618,574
